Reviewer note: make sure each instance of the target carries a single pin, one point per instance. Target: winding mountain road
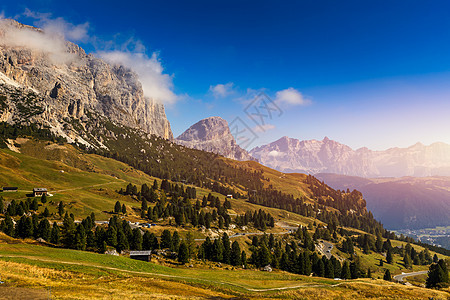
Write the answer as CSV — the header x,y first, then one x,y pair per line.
x,y
400,277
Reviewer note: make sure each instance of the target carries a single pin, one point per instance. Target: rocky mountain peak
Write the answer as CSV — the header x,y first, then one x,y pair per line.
x,y
213,135
68,90
207,129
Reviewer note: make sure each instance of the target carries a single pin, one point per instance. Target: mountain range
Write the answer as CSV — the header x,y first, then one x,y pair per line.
x,y
102,106
328,156
401,203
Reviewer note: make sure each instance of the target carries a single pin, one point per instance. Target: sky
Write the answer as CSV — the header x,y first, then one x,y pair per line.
x,y
365,73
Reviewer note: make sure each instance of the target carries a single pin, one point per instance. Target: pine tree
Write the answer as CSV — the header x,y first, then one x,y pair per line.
x,y
389,256
320,268
190,243
124,209
122,241
387,275
90,240
60,208
355,269
329,269
34,205
220,222
80,238
379,243
35,224
117,207
308,242
55,234
217,250
235,257
166,239
226,248
44,229
2,205
68,231
44,198
136,241
438,275
183,253
175,241
103,247
144,205
46,213
111,236
244,259
435,258
7,225
263,258
307,264
146,241
345,273
407,261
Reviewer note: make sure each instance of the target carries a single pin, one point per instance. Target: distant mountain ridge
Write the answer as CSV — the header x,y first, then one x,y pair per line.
x,y
328,156
401,203
213,135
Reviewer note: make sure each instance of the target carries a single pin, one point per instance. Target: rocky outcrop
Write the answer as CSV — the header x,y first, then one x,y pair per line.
x,y
70,89
213,135
328,156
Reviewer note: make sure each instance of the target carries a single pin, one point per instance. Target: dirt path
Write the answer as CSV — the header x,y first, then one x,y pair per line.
x,y
89,186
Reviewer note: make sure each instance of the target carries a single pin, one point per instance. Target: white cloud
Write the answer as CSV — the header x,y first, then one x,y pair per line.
x,y
59,26
51,40
275,153
222,90
155,83
263,128
291,96
36,40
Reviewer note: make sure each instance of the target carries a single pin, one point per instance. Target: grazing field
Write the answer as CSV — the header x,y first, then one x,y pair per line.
x,y
31,269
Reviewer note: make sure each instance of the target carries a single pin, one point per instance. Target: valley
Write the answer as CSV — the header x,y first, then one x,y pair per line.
x,y
94,185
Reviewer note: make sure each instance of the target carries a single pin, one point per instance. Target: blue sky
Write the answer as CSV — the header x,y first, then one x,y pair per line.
x,y
365,73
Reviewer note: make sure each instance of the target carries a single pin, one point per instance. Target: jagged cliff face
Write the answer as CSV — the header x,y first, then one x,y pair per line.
x,y
73,92
213,135
328,156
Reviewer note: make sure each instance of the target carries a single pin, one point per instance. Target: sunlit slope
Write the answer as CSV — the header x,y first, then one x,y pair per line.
x,y
81,275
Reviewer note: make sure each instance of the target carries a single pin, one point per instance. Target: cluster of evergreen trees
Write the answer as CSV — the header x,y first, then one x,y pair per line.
x,y
260,219
18,209
13,131
410,256
438,275
173,200
352,207
69,235
222,250
184,212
